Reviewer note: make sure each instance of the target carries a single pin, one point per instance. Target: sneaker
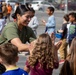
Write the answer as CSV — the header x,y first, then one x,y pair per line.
x,y
61,61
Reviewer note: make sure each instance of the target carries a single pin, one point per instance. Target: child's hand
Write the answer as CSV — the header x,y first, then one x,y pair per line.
x,y
57,45
55,50
43,21
31,47
60,31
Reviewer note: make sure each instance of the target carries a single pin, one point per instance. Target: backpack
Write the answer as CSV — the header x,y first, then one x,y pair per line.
x,y
72,32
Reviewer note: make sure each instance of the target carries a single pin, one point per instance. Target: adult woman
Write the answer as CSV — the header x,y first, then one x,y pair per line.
x,y
18,33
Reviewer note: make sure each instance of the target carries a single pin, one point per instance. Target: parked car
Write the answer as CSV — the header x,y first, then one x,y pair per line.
x,y
56,5
71,6
41,5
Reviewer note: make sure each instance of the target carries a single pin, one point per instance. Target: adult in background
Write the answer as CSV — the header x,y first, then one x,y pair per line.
x,y
4,10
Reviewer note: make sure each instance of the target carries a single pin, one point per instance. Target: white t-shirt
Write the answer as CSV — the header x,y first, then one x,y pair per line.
x,y
68,25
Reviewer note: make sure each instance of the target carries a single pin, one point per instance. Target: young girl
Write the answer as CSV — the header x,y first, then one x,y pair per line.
x,y
69,67
42,61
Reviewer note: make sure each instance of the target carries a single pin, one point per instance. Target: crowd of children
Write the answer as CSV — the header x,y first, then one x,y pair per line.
x,y
43,56
68,33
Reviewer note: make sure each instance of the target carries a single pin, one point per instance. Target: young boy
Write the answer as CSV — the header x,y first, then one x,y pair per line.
x,y
63,47
51,24
9,57
71,27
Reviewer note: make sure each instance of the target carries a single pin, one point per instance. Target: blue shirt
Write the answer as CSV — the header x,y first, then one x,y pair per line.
x,y
50,25
17,71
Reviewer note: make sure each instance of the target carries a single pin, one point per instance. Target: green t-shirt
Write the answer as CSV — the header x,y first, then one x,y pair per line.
x,y
11,31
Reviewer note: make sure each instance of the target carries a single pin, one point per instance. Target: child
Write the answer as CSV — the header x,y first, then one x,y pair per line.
x,y
2,22
63,47
9,57
71,27
42,61
69,67
51,24
34,22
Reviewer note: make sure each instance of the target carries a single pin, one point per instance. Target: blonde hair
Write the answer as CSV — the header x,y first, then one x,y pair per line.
x,y
42,53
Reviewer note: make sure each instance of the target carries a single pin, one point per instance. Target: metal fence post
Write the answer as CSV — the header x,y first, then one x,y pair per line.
x,y
66,6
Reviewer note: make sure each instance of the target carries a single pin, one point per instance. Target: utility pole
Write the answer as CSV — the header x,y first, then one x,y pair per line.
x,y
66,6
24,2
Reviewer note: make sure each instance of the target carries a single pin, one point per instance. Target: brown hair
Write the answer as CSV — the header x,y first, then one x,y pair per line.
x,y
51,9
9,53
42,52
66,17
73,56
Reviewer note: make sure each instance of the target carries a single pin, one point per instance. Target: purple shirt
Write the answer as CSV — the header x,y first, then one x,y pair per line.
x,y
37,70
